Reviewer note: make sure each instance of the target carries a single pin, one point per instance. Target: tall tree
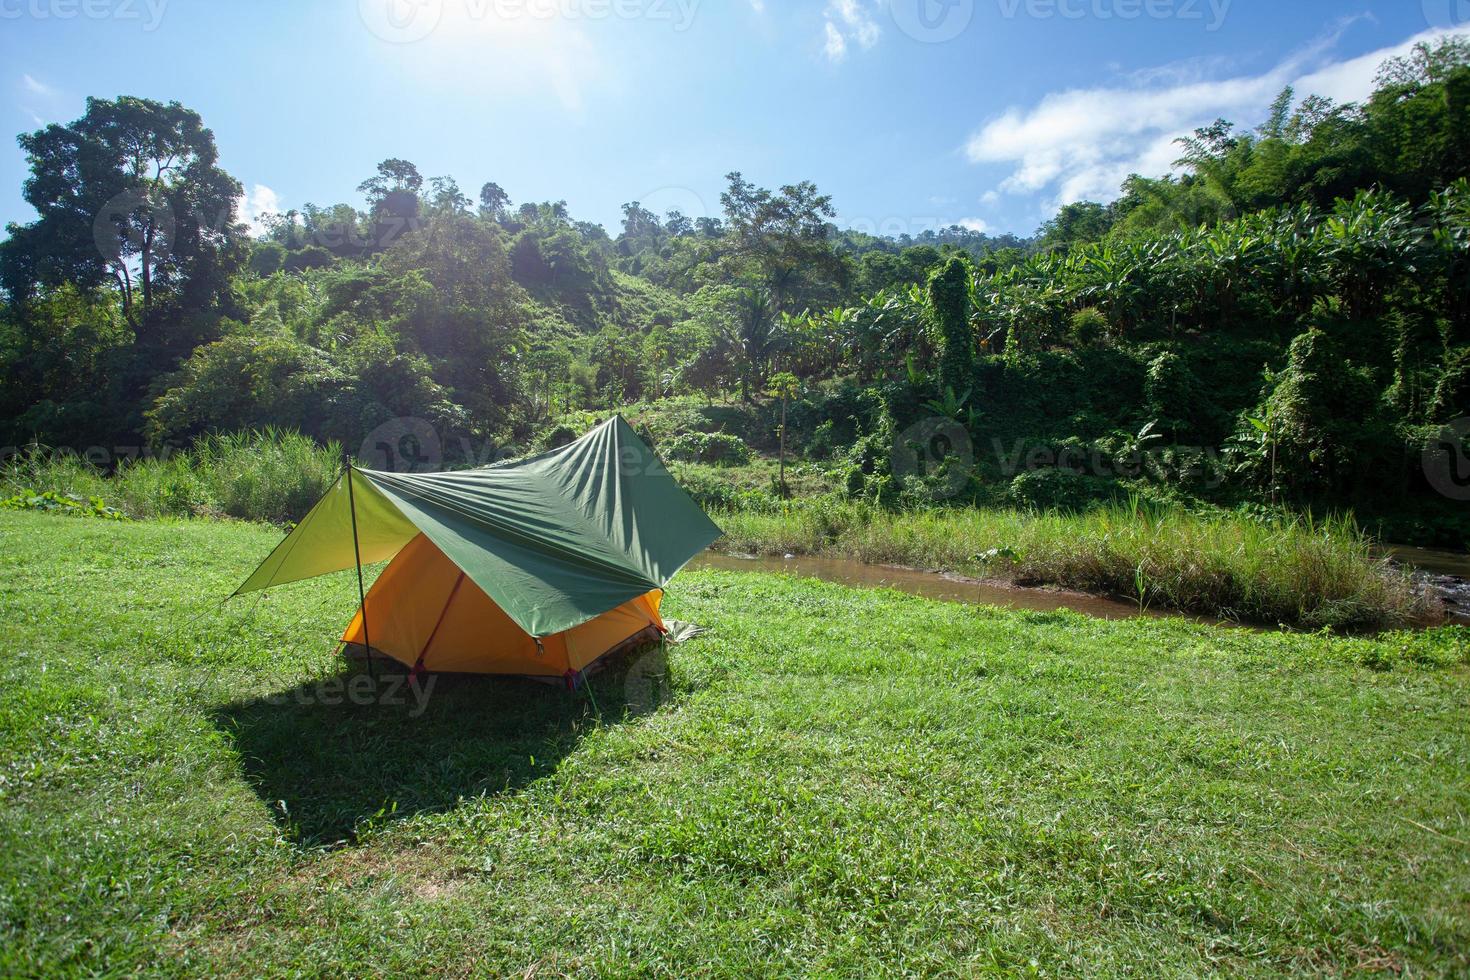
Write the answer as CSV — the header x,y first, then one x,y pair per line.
x,y
393,200
785,237
494,201
130,195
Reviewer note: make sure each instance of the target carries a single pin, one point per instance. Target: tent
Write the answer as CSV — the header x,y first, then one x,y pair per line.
x,y
537,567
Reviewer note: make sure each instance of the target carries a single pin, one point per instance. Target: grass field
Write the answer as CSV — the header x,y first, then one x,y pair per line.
x,y
831,781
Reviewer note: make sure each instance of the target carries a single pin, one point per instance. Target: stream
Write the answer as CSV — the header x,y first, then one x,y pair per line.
x,y
1445,572
930,585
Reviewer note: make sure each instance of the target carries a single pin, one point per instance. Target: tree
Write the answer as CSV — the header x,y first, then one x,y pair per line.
x,y
784,386
131,196
1083,221
394,176
742,324
783,238
640,225
949,302
1324,419
494,202
448,198
393,201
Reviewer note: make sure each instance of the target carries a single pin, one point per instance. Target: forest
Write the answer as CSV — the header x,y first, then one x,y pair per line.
x,y
1283,323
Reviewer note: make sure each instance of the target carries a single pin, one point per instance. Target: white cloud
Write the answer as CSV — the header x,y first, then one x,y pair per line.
x,y
255,204
836,46
990,198
979,225
41,102
848,21
759,6
1083,143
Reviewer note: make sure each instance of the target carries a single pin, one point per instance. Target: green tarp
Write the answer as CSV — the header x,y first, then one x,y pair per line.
x,y
555,540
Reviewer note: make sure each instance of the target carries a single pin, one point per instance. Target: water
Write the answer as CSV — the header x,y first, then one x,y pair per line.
x,y
1446,572
931,585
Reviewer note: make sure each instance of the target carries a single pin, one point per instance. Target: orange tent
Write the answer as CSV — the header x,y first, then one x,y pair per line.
x,y
536,567
427,614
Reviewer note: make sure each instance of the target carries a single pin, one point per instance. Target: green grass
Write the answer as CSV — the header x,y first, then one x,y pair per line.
x,y
1285,570
261,476
831,781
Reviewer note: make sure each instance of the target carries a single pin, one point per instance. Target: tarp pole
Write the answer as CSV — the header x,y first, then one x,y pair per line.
x,y
357,555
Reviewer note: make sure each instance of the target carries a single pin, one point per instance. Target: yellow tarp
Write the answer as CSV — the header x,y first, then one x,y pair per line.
x,y
322,542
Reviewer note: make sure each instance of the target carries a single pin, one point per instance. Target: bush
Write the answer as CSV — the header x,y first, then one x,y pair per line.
x,y
949,302
51,502
716,448
1058,489
1089,326
556,437
1452,393
266,476
823,442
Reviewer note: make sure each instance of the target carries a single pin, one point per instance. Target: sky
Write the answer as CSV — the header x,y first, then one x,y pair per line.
x,y
912,114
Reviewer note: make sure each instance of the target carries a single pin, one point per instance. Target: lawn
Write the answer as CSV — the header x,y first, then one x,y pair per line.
x,y
830,781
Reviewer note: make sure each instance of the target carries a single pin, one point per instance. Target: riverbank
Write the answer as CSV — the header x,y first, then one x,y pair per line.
x,y
1271,570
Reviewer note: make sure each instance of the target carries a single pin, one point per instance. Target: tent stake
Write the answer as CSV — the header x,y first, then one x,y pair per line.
x,y
367,642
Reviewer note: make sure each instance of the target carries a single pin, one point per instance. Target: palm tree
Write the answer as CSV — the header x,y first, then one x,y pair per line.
x,y
752,335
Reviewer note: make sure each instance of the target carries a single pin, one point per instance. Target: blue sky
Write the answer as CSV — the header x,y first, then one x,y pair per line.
x,y
911,113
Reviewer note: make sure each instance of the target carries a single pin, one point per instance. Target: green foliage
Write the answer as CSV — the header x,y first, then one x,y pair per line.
x,y
1172,393
493,323
1323,416
1268,568
717,448
51,502
1051,488
1088,326
269,476
165,212
949,303
249,382
1452,393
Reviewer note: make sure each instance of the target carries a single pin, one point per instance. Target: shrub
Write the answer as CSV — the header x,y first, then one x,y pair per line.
x,y
265,476
1268,568
1172,391
823,442
1452,393
1088,326
556,437
52,502
1057,489
717,448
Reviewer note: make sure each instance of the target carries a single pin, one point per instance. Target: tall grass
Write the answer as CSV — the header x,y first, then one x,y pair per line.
x,y
260,476
1283,570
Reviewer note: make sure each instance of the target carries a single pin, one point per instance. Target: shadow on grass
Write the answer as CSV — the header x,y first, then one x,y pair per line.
x,y
339,754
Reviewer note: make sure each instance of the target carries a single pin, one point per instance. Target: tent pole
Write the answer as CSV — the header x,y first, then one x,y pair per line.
x,y
367,642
